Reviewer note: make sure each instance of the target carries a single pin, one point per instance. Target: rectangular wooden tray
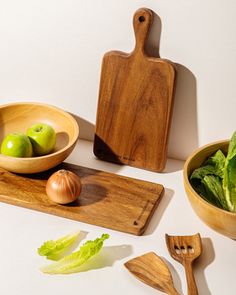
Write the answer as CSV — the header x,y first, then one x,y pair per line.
x,y
107,200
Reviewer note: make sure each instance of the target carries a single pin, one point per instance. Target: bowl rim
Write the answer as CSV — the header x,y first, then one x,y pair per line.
x,y
65,113
186,177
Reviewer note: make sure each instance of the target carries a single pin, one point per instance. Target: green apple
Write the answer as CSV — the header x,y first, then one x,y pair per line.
x,y
42,137
16,145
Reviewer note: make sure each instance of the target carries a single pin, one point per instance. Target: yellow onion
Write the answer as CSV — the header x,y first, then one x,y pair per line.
x,y
63,187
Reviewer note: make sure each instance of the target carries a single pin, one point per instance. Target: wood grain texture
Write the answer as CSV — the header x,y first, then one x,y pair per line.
x,y
107,200
153,271
185,249
135,104
18,117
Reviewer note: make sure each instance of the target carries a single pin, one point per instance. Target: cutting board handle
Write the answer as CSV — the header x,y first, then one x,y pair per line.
x,y
142,21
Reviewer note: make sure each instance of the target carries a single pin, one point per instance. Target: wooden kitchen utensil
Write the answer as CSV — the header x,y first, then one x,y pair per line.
x,y
185,249
107,200
153,271
135,103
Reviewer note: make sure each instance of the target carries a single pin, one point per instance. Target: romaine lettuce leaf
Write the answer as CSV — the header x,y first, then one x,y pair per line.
x,y
201,172
54,249
218,162
214,165
72,262
214,191
215,180
207,180
229,180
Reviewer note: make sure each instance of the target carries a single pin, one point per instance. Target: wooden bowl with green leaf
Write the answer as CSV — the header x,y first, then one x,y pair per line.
x,y
210,184
17,118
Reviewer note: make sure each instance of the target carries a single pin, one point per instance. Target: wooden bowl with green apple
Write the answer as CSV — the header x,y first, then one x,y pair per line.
x,y
211,189
35,137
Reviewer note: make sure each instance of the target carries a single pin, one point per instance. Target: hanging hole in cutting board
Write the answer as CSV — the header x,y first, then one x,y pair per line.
x,y
141,19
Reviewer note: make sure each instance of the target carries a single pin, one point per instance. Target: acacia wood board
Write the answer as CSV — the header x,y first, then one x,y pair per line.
x,y
135,104
108,200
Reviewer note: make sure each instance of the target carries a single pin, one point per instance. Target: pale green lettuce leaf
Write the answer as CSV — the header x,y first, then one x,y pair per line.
x,y
229,180
72,262
207,180
54,249
214,165
215,180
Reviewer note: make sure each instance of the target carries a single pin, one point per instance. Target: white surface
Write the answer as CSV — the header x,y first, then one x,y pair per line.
x,y
51,51
22,231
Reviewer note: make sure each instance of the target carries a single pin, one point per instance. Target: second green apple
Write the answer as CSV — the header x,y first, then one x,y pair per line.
x,y
42,137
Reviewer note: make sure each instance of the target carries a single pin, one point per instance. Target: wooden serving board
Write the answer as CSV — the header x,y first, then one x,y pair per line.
x,y
107,200
135,104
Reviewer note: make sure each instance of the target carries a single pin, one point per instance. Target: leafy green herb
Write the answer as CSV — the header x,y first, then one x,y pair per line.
x,y
72,262
54,249
215,180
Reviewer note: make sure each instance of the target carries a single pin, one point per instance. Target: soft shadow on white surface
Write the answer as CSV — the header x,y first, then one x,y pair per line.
x,y
183,137
206,258
153,41
173,165
86,128
159,212
107,166
107,257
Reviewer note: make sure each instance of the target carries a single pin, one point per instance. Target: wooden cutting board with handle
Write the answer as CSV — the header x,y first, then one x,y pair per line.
x,y
108,200
135,103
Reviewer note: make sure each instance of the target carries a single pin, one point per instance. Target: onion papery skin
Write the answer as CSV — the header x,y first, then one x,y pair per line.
x,y
63,187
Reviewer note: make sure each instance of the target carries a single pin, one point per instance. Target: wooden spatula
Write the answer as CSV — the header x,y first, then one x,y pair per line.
x,y
135,102
152,270
185,249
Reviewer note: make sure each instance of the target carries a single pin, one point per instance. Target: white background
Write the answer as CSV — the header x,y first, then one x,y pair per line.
x,y
51,51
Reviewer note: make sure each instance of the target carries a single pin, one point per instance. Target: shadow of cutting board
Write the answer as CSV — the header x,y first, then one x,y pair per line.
x,y
107,200
135,104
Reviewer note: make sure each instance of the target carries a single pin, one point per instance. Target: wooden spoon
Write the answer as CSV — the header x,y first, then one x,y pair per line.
x,y
185,249
152,270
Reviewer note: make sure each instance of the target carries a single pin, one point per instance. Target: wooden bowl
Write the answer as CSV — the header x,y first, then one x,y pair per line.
x,y
18,117
218,219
